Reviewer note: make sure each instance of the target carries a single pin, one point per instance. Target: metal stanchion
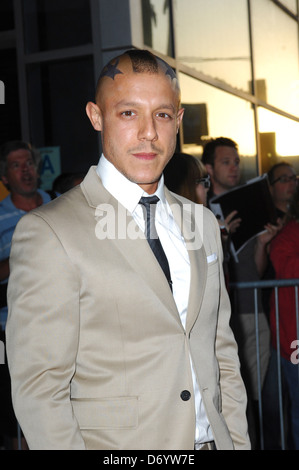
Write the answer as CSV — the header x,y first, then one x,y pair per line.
x,y
282,433
259,386
274,284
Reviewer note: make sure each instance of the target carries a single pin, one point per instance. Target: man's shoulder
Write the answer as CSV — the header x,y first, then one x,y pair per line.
x,y
6,204
58,214
62,206
8,210
193,207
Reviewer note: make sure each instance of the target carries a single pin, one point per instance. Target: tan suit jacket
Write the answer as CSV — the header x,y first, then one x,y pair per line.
x,y
97,352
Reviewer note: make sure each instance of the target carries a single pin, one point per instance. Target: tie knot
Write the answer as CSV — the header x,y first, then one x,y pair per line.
x,y
146,201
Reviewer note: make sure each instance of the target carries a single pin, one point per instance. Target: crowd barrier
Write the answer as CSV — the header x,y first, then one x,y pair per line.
x,y
256,287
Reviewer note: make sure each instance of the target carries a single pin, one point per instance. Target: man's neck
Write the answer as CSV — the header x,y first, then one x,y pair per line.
x,y
27,203
217,189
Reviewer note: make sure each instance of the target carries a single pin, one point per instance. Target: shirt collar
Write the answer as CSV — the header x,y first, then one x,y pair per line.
x,y
124,190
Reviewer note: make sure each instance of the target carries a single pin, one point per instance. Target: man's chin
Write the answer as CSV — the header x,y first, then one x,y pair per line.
x,y
29,191
232,184
143,179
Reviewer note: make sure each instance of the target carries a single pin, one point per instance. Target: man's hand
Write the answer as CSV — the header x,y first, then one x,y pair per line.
x,y
229,224
270,232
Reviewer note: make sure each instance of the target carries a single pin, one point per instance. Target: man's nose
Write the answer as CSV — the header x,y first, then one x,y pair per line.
x,y
234,167
25,167
147,129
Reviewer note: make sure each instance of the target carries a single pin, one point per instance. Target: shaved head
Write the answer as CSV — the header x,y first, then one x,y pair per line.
x,y
138,113
134,61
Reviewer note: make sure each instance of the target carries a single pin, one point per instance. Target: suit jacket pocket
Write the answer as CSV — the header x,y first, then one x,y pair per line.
x,y
106,413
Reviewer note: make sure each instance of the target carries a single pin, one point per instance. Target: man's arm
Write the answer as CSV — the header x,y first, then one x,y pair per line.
x,y
42,335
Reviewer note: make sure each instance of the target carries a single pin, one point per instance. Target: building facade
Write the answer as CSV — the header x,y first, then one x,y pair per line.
x,y
237,63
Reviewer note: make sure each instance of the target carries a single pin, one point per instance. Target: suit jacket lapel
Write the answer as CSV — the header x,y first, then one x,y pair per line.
x,y
131,243
138,253
184,217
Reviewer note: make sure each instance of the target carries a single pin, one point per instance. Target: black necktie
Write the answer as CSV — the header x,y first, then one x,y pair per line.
x,y
152,236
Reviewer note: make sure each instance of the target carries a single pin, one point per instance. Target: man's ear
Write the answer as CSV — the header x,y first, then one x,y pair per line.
x,y
4,180
210,169
95,115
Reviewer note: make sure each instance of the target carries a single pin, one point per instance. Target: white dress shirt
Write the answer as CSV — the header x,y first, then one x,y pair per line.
x,y
129,194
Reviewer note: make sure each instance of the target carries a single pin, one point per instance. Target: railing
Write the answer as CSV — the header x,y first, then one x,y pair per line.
x,y
276,285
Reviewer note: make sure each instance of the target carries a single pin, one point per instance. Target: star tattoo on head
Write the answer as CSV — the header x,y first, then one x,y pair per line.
x,y
169,72
111,70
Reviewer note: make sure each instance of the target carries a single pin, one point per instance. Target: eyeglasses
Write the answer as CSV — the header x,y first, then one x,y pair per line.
x,y
206,182
285,179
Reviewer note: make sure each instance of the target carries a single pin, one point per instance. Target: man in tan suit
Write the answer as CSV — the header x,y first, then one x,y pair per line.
x,y
104,351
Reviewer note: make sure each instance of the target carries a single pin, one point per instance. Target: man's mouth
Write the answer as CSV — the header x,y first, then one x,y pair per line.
x,y
27,179
145,155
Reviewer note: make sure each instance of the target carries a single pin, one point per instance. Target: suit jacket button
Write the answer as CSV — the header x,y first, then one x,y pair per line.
x,y
185,395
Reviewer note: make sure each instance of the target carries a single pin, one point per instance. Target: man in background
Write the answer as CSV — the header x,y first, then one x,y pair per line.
x,y
19,174
222,161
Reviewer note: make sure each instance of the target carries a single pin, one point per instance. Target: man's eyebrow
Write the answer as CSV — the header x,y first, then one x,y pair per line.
x,y
137,104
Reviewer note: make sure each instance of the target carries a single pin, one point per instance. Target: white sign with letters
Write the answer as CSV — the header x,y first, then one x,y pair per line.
x,y
51,166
